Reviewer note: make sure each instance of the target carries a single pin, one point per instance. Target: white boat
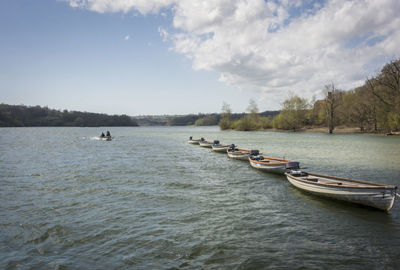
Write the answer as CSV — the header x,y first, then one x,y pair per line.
x,y
218,147
239,153
194,141
105,138
273,165
206,144
375,195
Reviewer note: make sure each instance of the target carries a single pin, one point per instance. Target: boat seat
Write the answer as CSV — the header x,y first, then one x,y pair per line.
x,y
313,179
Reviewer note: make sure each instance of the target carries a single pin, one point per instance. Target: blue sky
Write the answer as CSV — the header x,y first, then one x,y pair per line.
x,y
76,59
176,57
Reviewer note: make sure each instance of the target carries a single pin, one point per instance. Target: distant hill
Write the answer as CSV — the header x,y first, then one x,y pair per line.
x,y
35,116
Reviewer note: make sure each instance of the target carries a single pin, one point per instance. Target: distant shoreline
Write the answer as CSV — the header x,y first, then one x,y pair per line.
x,y
337,130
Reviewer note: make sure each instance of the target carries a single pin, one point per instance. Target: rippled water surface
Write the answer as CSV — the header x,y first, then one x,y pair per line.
x,y
149,200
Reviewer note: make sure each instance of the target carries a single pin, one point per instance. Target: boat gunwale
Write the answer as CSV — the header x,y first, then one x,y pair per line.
x,y
205,142
220,146
283,161
372,185
279,159
268,163
239,151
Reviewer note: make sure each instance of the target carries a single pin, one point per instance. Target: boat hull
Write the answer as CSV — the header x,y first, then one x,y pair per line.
x,y
273,167
206,144
193,142
219,148
238,156
379,197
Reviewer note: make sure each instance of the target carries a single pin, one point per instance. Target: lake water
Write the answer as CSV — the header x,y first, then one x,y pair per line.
x,y
149,200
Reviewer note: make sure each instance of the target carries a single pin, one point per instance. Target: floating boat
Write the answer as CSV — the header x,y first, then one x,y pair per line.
x,y
239,153
273,165
370,194
218,147
206,144
105,138
194,141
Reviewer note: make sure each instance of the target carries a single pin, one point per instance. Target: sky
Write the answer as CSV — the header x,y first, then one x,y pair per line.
x,y
155,57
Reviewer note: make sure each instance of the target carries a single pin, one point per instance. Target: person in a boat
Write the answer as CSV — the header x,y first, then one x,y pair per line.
x,y
102,135
108,134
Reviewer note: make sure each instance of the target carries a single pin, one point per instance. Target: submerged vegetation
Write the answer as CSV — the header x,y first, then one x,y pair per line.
x,y
34,116
372,107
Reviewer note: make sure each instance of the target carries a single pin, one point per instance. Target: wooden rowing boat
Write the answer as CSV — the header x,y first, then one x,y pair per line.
x,y
218,147
194,141
239,153
374,195
273,165
206,144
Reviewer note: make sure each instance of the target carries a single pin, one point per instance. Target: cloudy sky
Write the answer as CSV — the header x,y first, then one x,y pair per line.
x,y
184,56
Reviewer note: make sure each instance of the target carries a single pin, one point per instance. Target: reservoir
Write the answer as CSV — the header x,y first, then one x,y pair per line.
x,y
149,200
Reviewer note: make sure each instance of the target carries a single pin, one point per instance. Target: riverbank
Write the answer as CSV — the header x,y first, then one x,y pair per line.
x,y
337,130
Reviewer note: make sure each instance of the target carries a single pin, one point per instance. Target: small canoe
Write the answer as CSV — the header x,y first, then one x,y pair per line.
x,y
218,147
273,165
370,194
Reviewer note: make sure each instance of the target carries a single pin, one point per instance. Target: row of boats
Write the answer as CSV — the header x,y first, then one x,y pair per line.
x,y
379,196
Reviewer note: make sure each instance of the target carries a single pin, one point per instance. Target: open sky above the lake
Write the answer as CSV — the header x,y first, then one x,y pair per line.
x,y
140,57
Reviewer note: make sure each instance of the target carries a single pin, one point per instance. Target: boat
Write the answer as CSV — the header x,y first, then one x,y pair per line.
x,y
205,143
370,194
218,147
273,165
239,153
194,141
105,138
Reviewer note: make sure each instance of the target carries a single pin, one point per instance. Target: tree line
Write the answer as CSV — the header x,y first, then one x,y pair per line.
x,y
372,107
33,116
212,119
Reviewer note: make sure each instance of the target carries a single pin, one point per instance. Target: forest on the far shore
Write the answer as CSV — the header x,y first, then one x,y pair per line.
x,y
36,116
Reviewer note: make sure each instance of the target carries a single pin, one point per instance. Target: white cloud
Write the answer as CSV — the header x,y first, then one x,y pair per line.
x,y
102,6
127,37
277,46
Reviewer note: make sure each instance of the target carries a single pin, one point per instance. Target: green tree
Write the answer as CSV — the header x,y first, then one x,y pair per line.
x,y
293,114
209,120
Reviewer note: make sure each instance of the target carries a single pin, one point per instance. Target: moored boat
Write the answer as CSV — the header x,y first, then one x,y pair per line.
x,y
273,165
206,144
239,153
218,147
370,194
194,141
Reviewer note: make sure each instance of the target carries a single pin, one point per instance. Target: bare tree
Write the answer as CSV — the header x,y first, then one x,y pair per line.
x,y
225,122
386,88
333,98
